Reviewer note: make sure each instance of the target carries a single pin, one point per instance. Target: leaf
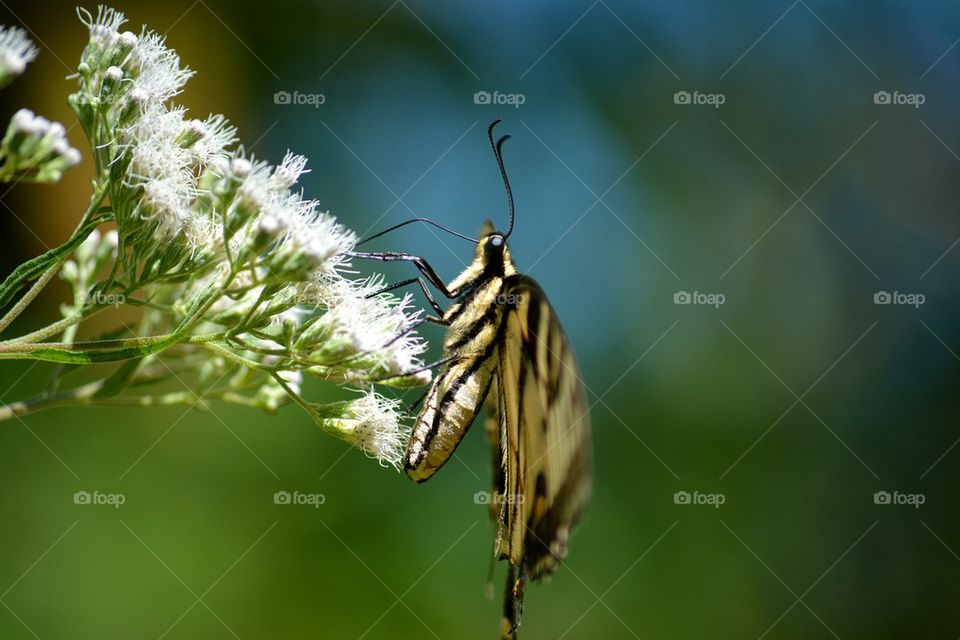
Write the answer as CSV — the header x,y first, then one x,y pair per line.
x,y
82,354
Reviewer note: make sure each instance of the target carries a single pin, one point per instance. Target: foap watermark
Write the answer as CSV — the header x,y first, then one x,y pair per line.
x,y
899,297
298,98
497,98
509,299
697,498
485,497
698,297
298,498
899,98
98,498
896,498
697,98
102,299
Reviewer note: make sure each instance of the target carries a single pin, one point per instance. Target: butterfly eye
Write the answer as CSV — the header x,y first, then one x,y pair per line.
x,y
494,243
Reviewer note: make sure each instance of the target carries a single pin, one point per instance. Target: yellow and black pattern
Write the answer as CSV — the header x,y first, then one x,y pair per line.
x,y
505,347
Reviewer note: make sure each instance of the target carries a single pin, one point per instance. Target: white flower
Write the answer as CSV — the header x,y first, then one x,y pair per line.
x,y
16,50
128,39
166,154
215,135
312,242
227,247
288,172
153,144
103,29
156,69
269,224
317,234
372,424
241,167
264,185
167,200
201,235
379,327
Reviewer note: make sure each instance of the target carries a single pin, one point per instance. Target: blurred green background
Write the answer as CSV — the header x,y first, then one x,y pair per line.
x,y
797,199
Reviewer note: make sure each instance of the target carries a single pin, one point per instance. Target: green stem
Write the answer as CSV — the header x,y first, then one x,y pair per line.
x,y
111,350
80,395
98,351
31,293
53,329
235,358
293,394
86,395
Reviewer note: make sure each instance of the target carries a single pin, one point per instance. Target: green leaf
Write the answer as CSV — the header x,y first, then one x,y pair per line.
x,y
80,353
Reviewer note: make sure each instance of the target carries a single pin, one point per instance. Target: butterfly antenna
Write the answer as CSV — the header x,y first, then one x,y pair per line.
x,y
411,221
498,153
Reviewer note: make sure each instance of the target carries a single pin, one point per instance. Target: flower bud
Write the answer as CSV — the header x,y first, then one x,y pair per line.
x,y
34,148
16,51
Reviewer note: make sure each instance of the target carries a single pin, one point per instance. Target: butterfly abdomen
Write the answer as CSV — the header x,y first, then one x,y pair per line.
x,y
460,388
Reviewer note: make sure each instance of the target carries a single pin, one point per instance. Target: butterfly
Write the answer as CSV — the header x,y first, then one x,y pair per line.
x,y
505,348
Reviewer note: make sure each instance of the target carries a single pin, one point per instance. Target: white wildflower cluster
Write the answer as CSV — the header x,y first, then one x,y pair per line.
x,y
16,51
35,149
370,422
240,278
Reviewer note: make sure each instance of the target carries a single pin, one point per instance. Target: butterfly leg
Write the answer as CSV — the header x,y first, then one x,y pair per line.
x,y
416,403
438,319
422,266
425,367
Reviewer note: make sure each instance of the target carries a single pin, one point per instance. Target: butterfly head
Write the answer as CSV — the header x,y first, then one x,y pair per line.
x,y
493,252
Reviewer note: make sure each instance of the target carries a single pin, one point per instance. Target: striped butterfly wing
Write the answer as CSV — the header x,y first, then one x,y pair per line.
x,y
539,421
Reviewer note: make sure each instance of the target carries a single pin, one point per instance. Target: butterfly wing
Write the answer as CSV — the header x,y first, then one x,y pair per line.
x,y
542,423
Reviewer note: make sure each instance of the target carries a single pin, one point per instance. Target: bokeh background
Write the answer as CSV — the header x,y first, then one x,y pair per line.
x,y
796,400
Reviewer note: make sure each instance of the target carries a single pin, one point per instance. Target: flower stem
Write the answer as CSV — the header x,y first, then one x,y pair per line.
x,y
80,395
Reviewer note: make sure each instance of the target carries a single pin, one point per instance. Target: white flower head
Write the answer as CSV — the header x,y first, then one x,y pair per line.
x,y
166,201
316,233
114,74
201,234
288,172
155,68
215,134
255,190
128,39
103,28
153,142
372,423
241,167
16,51
378,327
